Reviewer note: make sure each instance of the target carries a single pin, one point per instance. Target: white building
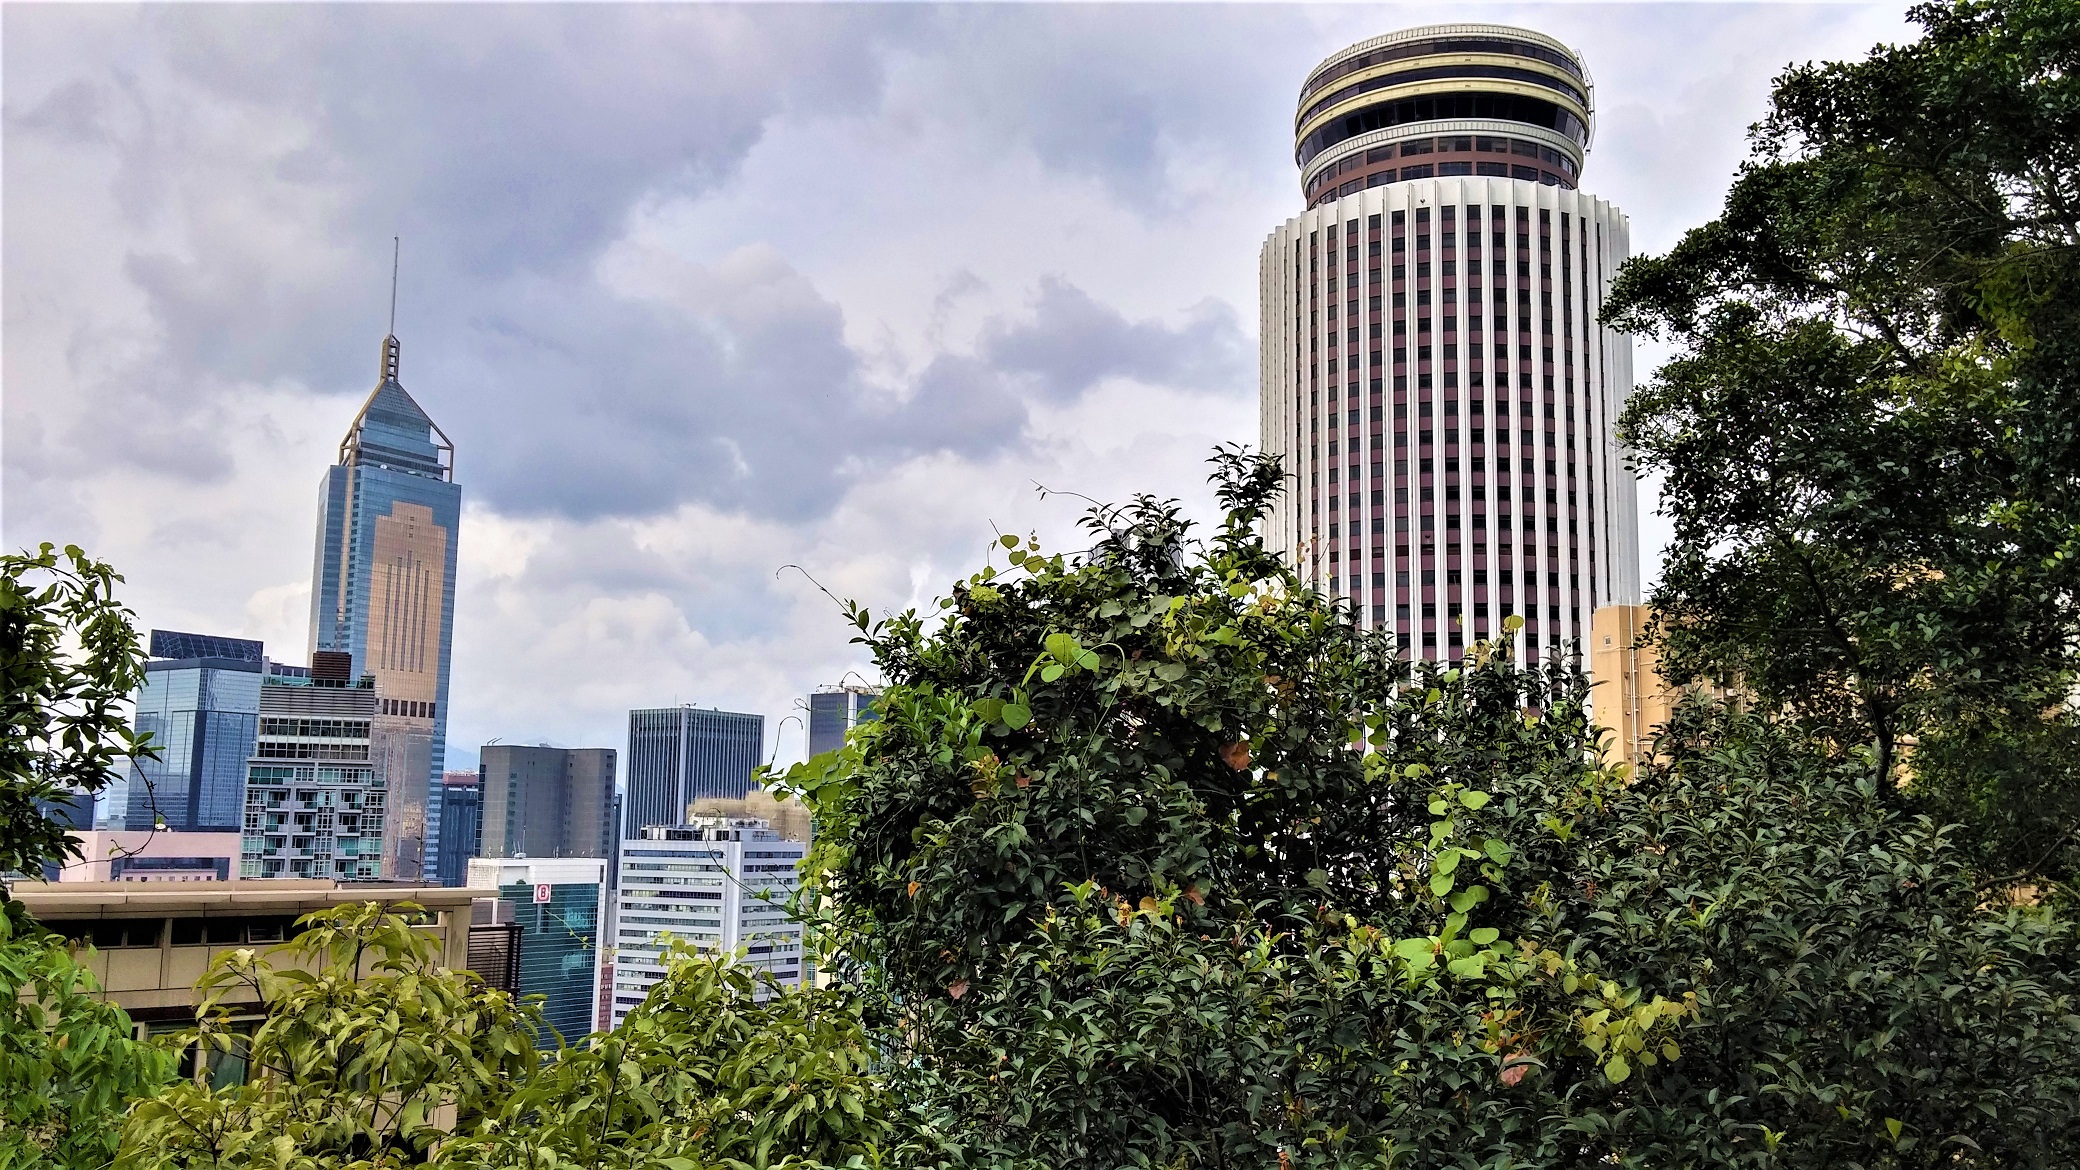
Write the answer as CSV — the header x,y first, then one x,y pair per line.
x,y
1434,372
720,884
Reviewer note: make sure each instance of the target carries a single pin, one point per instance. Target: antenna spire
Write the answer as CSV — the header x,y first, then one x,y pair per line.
x,y
390,339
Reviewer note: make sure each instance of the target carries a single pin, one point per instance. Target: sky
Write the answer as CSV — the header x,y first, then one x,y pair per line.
x,y
722,306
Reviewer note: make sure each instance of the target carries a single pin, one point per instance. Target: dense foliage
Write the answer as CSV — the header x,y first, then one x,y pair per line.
x,y
1870,436
369,1052
68,1067
1153,859
69,660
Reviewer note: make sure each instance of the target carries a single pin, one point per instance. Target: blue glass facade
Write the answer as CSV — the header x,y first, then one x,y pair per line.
x,y
383,591
677,755
461,831
559,955
836,711
203,715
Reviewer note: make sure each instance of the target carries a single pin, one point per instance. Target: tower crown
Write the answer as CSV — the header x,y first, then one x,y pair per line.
x,y
392,430
1440,100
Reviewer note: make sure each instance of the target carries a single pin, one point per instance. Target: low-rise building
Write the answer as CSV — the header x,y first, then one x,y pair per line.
x,y
719,884
152,940
127,855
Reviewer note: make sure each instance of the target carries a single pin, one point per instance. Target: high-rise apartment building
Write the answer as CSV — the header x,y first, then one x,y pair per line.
x,y
200,701
1434,372
833,711
719,884
546,801
462,825
677,755
383,593
317,801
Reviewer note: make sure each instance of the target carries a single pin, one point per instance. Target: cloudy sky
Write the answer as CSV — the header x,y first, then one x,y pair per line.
x,y
697,291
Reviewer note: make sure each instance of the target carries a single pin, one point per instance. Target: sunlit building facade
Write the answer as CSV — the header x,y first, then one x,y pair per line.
x,y
1434,373
383,592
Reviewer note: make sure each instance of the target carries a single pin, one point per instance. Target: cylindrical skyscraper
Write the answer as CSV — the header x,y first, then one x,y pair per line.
x,y
1433,370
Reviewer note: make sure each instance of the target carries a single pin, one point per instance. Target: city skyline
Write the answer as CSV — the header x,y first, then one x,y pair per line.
x,y
213,275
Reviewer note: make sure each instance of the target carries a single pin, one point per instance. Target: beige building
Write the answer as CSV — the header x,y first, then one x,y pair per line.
x,y
145,855
1628,698
152,940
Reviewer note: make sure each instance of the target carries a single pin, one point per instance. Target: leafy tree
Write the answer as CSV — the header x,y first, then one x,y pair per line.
x,y
371,1052
715,1069
68,1065
1154,859
1870,436
69,660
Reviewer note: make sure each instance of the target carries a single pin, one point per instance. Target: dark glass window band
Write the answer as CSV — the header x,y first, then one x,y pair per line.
x,y
1403,52
1439,107
1438,72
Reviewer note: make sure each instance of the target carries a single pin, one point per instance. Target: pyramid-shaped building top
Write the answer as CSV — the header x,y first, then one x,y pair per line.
x,y
392,431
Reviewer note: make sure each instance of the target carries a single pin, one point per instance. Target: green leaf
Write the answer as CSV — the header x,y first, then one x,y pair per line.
x,y
1441,884
1016,716
1474,800
1051,672
1617,1070
1483,935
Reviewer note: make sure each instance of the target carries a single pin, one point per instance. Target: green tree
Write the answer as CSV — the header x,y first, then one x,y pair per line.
x,y
68,660
1870,434
68,1065
1154,859
715,1069
369,1055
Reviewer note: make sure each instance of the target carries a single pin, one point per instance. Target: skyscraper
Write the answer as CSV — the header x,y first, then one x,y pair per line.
x,y
201,703
462,826
677,755
383,592
1434,373
833,711
546,801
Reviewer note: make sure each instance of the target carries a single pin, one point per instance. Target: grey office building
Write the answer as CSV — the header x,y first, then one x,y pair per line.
x,y
833,711
677,755
546,801
201,703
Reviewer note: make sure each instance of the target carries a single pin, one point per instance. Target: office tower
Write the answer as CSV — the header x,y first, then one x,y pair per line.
x,y
677,755
462,825
200,701
1433,371
383,593
316,797
555,907
546,801
833,711
716,883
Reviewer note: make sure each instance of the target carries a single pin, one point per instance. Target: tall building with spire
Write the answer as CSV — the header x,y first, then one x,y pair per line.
x,y
1435,373
383,592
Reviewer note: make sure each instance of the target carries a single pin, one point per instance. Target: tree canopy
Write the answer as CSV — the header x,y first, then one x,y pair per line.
x,y
1870,435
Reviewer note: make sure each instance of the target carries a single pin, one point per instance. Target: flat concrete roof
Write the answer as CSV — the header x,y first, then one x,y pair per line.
x,y
70,901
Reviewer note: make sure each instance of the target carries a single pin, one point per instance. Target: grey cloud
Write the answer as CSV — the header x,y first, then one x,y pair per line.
x,y
287,144
1074,342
